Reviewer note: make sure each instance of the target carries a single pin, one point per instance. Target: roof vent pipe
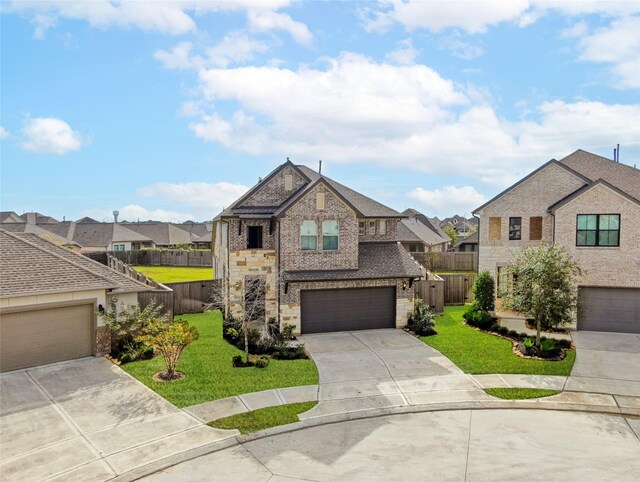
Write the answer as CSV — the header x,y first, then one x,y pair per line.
x,y
618,153
319,167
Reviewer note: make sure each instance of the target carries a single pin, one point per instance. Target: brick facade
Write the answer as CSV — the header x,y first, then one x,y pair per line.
x,y
603,266
392,225
273,193
238,239
532,198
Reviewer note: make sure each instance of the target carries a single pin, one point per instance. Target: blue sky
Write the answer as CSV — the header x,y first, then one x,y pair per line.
x,y
170,110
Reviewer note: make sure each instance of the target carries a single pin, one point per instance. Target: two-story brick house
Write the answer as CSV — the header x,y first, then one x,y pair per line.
x,y
326,256
588,204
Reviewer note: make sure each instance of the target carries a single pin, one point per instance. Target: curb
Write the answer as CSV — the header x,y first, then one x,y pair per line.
x,y
531,404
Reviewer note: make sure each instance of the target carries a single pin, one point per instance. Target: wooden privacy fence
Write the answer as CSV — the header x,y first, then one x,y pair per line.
x,y
184,298
431,292
153,257
458,288
449,261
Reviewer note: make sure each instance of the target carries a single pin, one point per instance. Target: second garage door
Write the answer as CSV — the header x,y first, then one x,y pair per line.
x,y
609,309
36,337
348,309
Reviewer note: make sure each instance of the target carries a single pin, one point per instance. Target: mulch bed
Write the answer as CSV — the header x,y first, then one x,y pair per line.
x,y
162,377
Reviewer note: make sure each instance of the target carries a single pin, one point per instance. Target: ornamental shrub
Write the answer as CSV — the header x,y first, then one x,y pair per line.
x,y
484,292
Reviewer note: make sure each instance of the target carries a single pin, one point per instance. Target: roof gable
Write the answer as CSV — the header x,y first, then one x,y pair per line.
x,y
308,189
576,194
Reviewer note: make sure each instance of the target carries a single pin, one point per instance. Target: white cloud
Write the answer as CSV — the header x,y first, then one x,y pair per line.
x,y
179,57
405,54
449,199
204,199
475,17
461,48
577,30
267,20
50,135
4,134
236,47
135,212
409,117
618,45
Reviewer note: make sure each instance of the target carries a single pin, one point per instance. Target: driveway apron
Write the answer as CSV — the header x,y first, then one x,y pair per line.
x,y
88,420
369,369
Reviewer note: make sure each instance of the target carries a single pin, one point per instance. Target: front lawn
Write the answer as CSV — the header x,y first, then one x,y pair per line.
x,y
520,393
209,375
264,418
175,274
476,352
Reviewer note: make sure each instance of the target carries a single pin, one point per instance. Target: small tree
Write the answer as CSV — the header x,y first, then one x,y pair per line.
x,y
449,231
422,319
126,323
544,285
169,338
484,292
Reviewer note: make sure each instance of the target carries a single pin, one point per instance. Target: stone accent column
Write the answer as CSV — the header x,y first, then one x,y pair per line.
x,y
103,341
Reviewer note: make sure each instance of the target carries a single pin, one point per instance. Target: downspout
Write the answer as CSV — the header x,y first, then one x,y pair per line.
x,y
278,279
553,230
478,255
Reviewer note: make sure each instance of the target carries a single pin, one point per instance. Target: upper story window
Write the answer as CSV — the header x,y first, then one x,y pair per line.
x,y
254,237
288,182
383,227
309,235
598,230
515,229
372,227
362,228
330,235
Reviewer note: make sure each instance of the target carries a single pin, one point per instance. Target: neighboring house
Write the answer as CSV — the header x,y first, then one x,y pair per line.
x,y
462,226
49,300
417,234
11,217
591,206
468,244
324,257
163,235
101,236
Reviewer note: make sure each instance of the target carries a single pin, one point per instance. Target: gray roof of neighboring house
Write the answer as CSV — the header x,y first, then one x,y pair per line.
x,y
427,235
163,234
625,178
471,239
405,235
11,217
364,205
44,263
376,260
87,219
27,269
431,223
103,234
38,230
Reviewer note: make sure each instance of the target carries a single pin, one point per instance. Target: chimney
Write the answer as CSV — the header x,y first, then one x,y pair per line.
x,y
115,216
319,167
31,218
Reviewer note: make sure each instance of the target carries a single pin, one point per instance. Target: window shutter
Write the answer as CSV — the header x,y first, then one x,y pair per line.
x,y
535,228
495,226
320,201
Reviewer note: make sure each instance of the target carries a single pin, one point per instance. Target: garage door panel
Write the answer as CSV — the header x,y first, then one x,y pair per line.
x,y
609,309
347,309
37,337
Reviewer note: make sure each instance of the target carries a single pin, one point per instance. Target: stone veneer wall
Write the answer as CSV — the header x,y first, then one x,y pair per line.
x,y
603,266
272,193
103,341
290,302
294,259
243,263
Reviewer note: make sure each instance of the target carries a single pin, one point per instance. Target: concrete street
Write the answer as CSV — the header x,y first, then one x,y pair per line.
x,y
473,445
88,420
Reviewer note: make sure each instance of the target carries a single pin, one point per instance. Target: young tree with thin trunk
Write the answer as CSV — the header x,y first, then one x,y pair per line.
x,y
544,285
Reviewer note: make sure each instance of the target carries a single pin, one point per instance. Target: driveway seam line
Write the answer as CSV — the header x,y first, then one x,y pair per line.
x,y
257,459
466,463
65,416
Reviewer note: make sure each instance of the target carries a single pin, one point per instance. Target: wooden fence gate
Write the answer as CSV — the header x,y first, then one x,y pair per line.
x,y
458,288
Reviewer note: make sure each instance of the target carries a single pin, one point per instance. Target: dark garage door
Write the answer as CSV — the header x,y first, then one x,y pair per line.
x,y
609,309
348,309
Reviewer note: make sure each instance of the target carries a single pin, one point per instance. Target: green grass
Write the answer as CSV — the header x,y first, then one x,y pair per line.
x,y
264,418
209,375
476,352
520,393
175,274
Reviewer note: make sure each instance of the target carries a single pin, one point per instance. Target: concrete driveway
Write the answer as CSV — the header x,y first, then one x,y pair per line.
x,y
606,363
454,445
87,420
381,368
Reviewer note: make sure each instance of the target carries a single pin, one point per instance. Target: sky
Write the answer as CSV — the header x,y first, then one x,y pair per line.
x,y
172,110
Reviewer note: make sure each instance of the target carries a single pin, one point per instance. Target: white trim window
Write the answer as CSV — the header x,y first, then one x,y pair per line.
x,y
330,235
308,235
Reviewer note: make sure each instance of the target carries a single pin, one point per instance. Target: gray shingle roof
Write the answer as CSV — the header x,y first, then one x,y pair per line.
x,y
163,234
423,232
625,178
405,235
376,260
42,263
471,239
11,217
